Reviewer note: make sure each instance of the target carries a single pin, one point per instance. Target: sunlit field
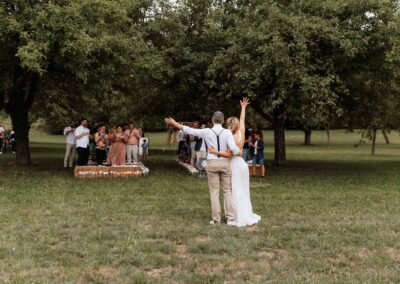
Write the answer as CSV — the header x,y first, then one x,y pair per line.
x,y
332,215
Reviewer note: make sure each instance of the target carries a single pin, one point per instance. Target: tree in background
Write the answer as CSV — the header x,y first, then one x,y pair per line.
x,y
64,52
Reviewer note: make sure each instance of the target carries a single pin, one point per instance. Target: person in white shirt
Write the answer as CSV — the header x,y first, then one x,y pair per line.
x,y
70,145
218,168
82,142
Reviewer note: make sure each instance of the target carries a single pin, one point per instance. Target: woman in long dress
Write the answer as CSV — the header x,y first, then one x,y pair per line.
x,y
244,215
118,150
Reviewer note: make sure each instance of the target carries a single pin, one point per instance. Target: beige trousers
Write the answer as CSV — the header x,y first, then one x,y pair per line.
x,y
132,151
69,155
219,175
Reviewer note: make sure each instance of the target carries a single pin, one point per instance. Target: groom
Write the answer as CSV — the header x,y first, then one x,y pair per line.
x,y
218,168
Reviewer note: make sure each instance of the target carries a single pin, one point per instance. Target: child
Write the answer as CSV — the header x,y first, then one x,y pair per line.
x,y
145,148
258,157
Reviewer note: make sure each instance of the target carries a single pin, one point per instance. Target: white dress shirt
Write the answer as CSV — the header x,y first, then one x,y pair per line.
x,y
226,140
70,139
84,140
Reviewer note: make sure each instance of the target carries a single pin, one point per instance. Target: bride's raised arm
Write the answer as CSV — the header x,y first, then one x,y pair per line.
x,y
242,128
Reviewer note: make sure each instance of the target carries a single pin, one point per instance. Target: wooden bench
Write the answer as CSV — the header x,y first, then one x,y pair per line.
x,y
133,171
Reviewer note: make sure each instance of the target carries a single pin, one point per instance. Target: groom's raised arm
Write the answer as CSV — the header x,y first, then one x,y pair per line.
x,y
192,131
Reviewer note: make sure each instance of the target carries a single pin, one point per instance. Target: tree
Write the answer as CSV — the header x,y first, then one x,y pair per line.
x,y
96,46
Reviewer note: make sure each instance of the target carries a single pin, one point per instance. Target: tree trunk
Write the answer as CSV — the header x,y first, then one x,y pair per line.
x,y
373,142
307,136
21,126
279,137
20,99
328,136
386,137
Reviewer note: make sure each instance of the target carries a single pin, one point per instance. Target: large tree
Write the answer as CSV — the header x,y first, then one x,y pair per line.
x,y
72,49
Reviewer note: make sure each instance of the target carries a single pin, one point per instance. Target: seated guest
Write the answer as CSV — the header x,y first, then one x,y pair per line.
x,y
101,140
70,145
132,136
118,151
258,157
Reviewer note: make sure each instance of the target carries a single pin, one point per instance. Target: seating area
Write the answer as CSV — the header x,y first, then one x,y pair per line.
x,y
127,171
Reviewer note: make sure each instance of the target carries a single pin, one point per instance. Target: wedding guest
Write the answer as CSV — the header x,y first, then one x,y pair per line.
x,y
258,158
141,130
200,147
118,150
132,136
101,140
70,145
246,146
2,136
112,130
181,140
192,143
82,142
145,148
12,140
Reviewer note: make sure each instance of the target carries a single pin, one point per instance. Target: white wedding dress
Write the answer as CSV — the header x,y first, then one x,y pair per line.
x,y
244,215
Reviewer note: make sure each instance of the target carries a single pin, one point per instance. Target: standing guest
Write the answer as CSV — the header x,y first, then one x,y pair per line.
x,y
118,150
132,136
192,143
201,147
70,145
12,140
82,142
258,158
181,137
141,130
2,136
246,146
101,140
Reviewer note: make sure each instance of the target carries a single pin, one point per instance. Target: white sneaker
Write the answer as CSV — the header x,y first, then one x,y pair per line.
x,y
231,223
1,153
214,222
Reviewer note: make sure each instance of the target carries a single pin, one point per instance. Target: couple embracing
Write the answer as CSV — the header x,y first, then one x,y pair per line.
x,y
226,167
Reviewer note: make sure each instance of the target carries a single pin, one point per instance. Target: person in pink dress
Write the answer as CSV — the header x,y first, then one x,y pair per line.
x,y
118,149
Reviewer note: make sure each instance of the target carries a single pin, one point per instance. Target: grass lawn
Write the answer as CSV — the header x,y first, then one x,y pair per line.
x,y
332,215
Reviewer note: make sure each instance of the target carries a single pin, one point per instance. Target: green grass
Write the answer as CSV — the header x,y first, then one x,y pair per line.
x,y
330,216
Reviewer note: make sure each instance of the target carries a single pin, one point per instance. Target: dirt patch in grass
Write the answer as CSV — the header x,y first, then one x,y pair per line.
x,y
277,255
157,272
181,251
394,254
104,272
202,239
364,253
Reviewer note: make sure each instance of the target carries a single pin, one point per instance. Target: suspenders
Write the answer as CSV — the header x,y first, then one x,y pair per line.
x,y
217,135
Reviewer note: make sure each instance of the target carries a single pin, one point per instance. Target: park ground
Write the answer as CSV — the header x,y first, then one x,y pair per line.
x,y
332,215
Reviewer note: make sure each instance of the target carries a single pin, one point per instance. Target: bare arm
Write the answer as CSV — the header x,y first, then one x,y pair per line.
x,y
243,103
186,129
225,154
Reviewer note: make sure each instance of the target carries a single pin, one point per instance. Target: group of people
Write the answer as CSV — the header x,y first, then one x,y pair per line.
x,y
7,139
193,149
253,149
116,146
226,167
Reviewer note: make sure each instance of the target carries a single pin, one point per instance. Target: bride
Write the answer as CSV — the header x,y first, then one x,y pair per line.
x,y
244,215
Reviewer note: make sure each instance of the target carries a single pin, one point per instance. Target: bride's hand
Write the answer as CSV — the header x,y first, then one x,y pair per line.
x,y
212,150
244,102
